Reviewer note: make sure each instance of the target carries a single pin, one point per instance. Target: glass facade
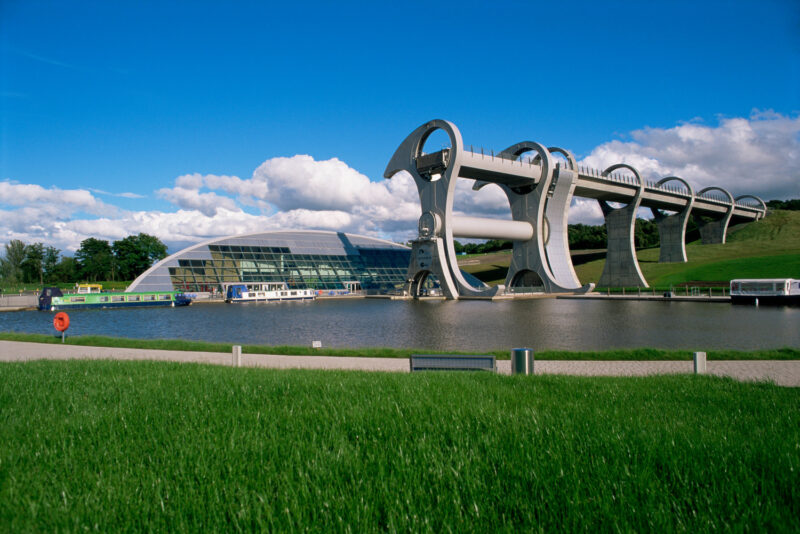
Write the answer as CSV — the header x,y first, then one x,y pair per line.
x,y
315,260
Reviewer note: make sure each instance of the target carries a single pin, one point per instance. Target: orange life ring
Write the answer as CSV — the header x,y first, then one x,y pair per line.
x,y
61,321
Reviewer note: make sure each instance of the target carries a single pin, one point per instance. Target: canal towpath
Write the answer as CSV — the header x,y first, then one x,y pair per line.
x,y
781,372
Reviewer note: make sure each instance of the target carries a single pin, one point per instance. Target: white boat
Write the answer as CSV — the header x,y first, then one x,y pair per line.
x,y
265,292
765,291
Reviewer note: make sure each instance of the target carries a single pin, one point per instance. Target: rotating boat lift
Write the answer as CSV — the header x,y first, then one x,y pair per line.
x,y
539,193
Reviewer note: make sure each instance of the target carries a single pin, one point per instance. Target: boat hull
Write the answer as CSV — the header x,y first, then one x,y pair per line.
x,y
767,300
274,299
109,305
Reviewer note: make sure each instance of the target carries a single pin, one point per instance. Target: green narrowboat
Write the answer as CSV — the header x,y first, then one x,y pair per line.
x,y
52,299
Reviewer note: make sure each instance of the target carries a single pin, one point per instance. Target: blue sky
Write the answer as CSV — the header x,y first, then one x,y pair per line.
x,y
123,98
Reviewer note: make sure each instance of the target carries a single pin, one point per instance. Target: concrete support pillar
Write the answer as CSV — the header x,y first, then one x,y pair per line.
x,y
714,231
622,267
672,228
531,260
557,217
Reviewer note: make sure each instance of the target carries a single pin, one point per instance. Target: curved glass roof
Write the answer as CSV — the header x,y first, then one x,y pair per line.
x,y
308,259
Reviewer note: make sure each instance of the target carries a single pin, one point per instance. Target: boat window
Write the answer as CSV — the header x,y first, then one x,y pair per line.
x,y
165,297
117,298
148,297
133,298
78,299
103,299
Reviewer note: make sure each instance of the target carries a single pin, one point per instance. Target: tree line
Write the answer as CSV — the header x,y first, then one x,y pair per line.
x,y
95,259
791,205
581,237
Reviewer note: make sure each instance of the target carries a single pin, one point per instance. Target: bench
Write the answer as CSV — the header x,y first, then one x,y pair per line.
x,y
453,362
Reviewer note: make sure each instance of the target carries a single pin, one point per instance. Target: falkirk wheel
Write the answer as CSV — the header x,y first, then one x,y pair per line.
x,y
539,192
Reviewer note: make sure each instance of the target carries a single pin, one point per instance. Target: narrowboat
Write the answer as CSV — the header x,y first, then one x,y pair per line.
x,y
265,292
781,291
52,299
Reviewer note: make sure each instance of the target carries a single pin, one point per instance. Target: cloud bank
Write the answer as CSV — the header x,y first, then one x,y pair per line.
x,y
756,155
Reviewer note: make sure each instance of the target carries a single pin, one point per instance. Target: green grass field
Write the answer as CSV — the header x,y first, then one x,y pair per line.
x,y
764,249
108,446
385,352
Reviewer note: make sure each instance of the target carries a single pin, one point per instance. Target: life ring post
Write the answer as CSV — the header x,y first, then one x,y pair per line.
x,y
61,323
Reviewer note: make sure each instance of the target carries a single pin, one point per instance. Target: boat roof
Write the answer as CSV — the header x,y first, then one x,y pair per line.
x,y
763,280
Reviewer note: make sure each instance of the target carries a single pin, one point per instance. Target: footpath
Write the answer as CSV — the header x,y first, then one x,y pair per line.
x,y
781,372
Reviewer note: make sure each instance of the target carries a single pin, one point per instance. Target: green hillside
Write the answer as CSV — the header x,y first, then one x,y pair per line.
x,y
763,249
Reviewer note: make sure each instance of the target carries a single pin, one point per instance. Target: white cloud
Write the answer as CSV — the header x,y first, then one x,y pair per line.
x,y
302,182
15,194
189,198
121,195
756,155
759,155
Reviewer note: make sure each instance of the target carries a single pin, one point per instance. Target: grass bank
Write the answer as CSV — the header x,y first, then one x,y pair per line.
x,y
385,352
146,446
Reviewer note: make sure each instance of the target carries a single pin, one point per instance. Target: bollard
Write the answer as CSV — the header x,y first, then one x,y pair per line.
x,y
236,358
699,363
522,361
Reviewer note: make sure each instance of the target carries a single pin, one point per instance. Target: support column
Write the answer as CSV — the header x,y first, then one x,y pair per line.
x,y
529,263
672,228
714,231
557,219
622,267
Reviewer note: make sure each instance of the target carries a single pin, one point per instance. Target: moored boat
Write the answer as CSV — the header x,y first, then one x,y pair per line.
x,y
52,299
265,292
781,291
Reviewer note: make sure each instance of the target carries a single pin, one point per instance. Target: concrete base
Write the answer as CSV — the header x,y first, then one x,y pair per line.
x,y
622,267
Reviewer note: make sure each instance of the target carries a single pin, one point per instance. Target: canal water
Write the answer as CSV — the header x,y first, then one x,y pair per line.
x,y
445,325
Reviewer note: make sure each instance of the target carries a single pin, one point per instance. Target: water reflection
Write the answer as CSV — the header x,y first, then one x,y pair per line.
x,y
446,325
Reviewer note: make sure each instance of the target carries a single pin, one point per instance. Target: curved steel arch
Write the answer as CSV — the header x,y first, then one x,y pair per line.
x,y
567,154
679,179
622,268
435,251
717,188
763,204
672,228
715,231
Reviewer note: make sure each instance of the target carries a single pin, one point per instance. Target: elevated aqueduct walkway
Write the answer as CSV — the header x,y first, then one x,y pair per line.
x,y
539,191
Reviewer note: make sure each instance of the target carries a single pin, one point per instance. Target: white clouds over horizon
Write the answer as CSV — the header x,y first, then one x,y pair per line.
x,y
755,155
758,155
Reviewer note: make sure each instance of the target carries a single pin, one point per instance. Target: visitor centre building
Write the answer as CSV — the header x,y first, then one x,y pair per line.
x,y
301,259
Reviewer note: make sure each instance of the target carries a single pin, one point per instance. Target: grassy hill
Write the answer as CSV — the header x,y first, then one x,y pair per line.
x,y
763,249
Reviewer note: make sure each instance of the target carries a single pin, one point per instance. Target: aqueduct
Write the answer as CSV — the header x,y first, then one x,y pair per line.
x,y
539,191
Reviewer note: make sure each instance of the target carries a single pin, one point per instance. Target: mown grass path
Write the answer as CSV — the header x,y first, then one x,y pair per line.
x,y
106,445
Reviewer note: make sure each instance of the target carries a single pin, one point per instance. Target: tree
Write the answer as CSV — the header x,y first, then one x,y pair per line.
x,y
94,259
65,271
791,204
11,264
135,254
50,263
646,233
33,264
